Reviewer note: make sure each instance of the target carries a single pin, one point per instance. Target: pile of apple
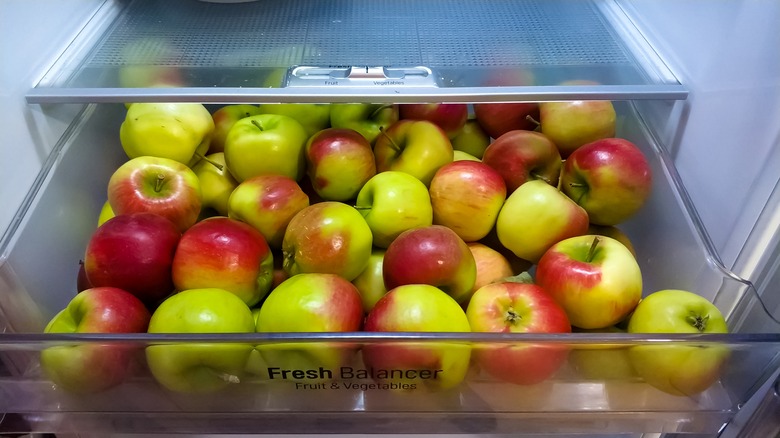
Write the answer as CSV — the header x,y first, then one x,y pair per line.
x,y
381,218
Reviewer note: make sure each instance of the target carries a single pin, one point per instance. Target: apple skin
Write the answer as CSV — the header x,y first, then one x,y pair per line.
x,y
510,307
610,178
156,185
314,117
521,156
450,117
419,308
224,253
367,119
371,283
575,123
200,367
268,203
432,255
605,362
417,147
492,266
499,118
105,214
216,184
536,216
471,139
594,278
89,367
133,252
466,197
678,369
266,144
392,202
177,131
463,156
328,237
339,162
224,118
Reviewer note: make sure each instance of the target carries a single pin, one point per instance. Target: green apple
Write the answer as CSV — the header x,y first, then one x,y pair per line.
x,y
224,119
216,184
463,156
314,117
367,119
602,361
194,366
535,217
571,124
417,147
266,144
681,369
328,237
471,139
393,202
371,283
106,213
178,131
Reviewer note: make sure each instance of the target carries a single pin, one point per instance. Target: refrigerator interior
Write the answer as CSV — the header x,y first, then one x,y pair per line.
x,y
671,86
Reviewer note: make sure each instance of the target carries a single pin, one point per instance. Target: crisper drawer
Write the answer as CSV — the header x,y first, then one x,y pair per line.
x,y
304,382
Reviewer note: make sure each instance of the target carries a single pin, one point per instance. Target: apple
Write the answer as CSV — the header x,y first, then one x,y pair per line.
x,y
602,361
417,147
224,118
392,202
450,117
610,178
216,184
330,238
594,278
310,303
224,253
471,139
521,156
371,282
535,217
105,214
268,203
156,185
571,124
499,118
492,266
613,232
133,252
511,307
266,144
678,368
339,162
518,264
463,156
196,367
418,308
314,117
433,255
365,118
91,367
177,131
466,197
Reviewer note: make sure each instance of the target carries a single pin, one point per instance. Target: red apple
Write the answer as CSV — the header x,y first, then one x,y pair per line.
x,y
92,367
156,185
339,162
433,255
521,156
133,252
610,178
510,307
268,203
466,197
450,117
224,253
594,278
499,118
492,266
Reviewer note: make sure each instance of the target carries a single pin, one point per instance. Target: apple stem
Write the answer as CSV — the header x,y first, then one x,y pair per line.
x,y
533,120
209,160
698,322
379,109
359,208
390,139
535,175
257,123
592,249
158,183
